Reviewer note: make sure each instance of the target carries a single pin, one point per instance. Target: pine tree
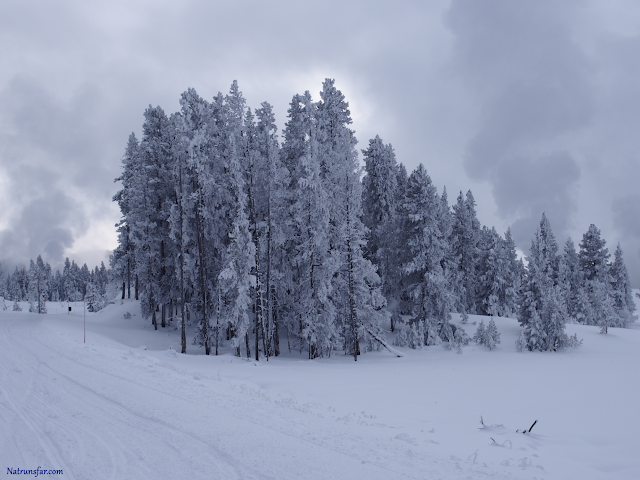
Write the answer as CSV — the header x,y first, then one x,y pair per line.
x,y
365,299
379,203
621,290
465,238
603,305
202,218
313,312
150,200
177,221
513,276
570,281
543,312
123,258
426,244
498,274
593,256
272,216
239,260
39,282
488,335
95,301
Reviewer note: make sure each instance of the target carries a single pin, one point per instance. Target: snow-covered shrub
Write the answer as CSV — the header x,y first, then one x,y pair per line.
x,y
95,301
454,337
410,335
432,337
127,316
16,306
37,307
487,336
416,335
402,338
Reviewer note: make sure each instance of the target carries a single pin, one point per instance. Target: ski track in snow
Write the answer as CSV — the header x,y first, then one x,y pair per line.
x,y
107,409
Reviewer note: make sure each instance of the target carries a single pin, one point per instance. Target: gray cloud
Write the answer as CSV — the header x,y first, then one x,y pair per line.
x,y
626,219
524,188
51,151
532,83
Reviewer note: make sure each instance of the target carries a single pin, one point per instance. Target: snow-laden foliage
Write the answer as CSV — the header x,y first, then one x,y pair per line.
x,y
488,336
95,301
39,284
465,240
428,287
380,199
543,312
624,304
498,274
249,238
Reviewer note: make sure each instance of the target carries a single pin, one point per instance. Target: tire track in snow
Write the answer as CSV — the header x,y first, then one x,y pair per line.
x,y
70,426
120,415
139,405
54,457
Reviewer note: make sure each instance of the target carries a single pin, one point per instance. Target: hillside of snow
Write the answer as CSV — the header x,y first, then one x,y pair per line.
x,y
126,405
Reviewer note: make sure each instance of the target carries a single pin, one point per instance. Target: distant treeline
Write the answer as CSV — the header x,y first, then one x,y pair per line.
x,y
39,283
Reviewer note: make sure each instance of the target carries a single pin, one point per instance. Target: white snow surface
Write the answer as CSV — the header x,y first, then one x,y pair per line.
x,y
127,405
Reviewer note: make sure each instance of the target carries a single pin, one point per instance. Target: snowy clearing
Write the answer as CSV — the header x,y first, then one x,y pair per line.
x,y
126,405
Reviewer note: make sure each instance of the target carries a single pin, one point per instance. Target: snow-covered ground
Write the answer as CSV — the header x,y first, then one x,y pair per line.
x,y
126,405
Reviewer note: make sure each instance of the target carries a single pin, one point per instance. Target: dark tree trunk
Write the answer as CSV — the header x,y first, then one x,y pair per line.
x,y
353,318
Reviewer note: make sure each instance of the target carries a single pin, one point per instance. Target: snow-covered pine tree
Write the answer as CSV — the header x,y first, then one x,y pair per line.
x,y
272,216
152,186
396,282
426,245
489,271
123,258
253,168
39,282
492,336
379,204
570,282
365,299
465,238
13,289
356,286
199,238
621,290
488,335
239,260
498,274
596,280
95,301
542,309
593,256
513,276
603,305
311,310
54,290
583,310
177,218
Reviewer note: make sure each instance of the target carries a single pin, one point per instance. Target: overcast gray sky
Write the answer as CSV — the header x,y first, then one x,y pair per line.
x,y
533,105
